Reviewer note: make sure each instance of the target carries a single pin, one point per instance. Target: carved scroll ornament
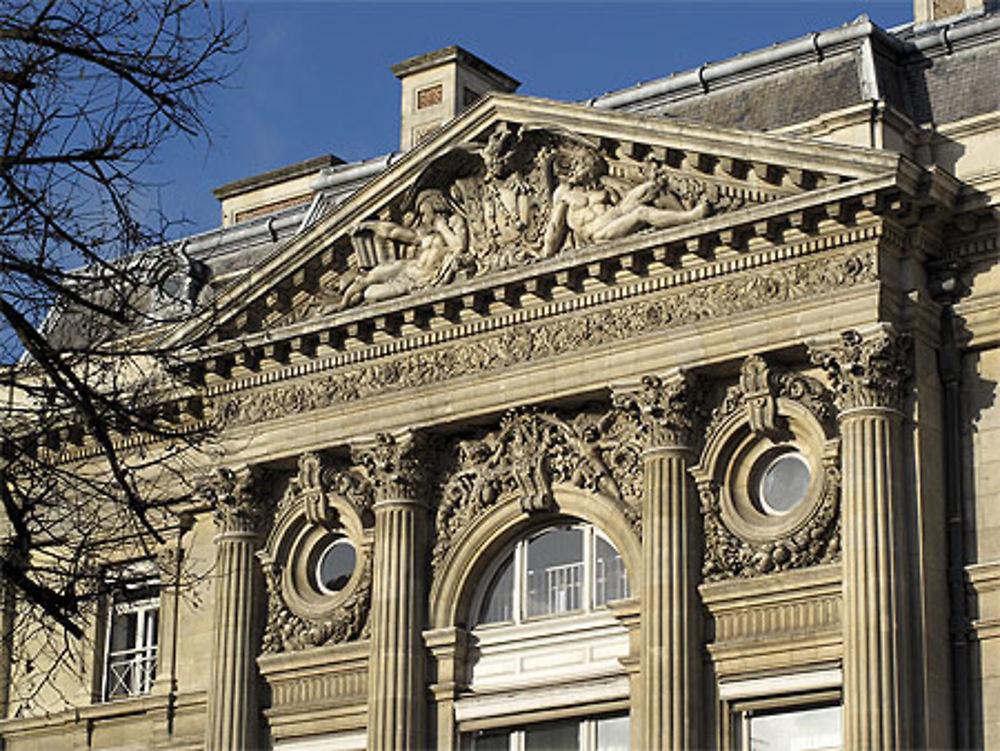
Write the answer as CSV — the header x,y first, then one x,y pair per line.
x,y
664,409
233,495
529,453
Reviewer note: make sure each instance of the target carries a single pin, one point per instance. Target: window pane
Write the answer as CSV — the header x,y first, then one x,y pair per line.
x,y
553,736
124,630
498,605
493,740
336,566
150,637
130,664
612,734
785,484
610,577
555,572
816,729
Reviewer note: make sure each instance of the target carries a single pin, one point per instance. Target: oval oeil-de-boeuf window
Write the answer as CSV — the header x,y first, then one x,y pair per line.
x,y
784,484
335,566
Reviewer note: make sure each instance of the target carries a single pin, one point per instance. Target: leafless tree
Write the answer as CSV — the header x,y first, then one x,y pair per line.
x,y
90,91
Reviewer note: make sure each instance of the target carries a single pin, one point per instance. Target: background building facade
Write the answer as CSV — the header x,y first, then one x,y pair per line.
x,y
663,420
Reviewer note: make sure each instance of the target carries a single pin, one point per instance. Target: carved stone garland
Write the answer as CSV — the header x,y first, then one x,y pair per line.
x,y
728,554
311,494
532,450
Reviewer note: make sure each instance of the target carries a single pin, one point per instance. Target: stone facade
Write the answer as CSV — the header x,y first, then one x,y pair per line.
x,y
746,362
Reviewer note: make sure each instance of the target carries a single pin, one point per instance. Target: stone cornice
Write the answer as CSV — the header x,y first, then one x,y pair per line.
x,y
569,328
638,266
698,144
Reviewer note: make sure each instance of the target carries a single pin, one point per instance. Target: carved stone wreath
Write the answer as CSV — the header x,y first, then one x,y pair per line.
x,y
321,504
531,452
765,414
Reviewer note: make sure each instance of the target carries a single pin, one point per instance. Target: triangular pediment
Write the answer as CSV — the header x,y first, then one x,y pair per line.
x,y
517,183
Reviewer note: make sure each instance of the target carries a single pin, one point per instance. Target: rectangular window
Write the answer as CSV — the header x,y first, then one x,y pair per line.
x,y
815,728
609,733
132,641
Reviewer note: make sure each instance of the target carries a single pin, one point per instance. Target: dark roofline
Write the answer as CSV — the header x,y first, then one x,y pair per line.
x,y
909,39
275,176
457,54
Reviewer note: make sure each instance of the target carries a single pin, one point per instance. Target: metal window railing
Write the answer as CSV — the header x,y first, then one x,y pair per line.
x,y
131,672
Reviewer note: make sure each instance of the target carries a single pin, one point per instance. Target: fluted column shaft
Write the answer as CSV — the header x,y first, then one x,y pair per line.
x,y
874,587
396,703
868,370
668,667
670,633
397,696
232,693
232,707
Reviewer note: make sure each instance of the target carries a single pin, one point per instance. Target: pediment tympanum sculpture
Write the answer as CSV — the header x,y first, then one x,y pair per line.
x,y
521,194
514,185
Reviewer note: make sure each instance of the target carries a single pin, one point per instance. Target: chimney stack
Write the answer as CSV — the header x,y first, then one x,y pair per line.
x,y
438,85
929,11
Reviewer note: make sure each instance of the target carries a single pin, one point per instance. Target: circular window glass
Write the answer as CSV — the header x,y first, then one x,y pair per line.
x,y
335,566
784,484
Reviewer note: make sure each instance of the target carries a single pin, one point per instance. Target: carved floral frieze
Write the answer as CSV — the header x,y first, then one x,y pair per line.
x,y
548,337
530,452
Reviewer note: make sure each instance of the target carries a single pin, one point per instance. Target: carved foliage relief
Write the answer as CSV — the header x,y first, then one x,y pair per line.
x,y
867,370
765,416
553,337
530,452
519,195
321,504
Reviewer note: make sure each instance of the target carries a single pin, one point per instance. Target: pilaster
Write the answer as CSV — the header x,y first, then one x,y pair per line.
x,y
670,634
449,648
232,696
868,370
397,701
7,615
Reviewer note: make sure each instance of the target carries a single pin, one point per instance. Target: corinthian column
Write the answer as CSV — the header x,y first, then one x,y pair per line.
x,y
232,693
669,715
397,703
868,370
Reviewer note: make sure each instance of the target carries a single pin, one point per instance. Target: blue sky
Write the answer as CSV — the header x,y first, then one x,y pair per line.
x,y
315,79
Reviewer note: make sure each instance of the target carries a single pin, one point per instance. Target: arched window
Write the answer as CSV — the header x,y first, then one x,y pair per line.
x,y
543,637
570,568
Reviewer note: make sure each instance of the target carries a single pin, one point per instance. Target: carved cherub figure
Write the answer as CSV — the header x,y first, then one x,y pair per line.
x,y
583,204
437,237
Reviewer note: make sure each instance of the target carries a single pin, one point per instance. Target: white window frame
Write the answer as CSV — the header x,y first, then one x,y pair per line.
x,y
740,712
139,659
519,556
586,733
